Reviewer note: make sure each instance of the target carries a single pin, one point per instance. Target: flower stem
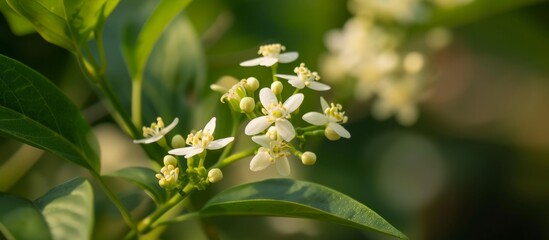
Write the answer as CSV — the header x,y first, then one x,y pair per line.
x,y
178,219
233,158
273,68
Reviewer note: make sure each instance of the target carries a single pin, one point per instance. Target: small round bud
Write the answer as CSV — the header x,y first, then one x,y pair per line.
x,y
277,87
247,104
170,160
272,133
215,175
178,141
252,84
331,134
308,158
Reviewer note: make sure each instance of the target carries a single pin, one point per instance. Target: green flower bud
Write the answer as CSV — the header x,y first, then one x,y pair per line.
x,y
247,104
308,158
178,141
215,175
277,87
170,160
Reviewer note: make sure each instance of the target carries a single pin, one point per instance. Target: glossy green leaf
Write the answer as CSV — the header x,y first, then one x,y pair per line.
x,y
20,219
18,24
292,198
34,111
68,209
137,52
66,23
145,179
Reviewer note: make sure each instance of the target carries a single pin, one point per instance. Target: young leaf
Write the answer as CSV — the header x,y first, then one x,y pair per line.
x,y
66,23
145,179
20,219
35,112
18,24
68,209
137,53
292,198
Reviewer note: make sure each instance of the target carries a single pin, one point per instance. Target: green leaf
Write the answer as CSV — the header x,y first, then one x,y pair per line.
x,y
145,179
34,111
20,219
136,53
68,209
292,198
18,24
66,23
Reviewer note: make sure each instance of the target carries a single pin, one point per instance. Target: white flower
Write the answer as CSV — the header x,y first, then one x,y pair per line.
x,y
331,118
156,131
275,112
271,152
271,55
398,98
201,140
305,78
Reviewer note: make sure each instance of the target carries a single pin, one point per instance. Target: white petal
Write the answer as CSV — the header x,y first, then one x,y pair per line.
x,y
219,143
283,166
149,140
339,130
288,57
297,83
266,96
251,63
286,76
193,152
260,161
324,104
407,115
257,125
268,61
262,140
315,118
293,102
170,127
181,151
210,126
318,86
285,129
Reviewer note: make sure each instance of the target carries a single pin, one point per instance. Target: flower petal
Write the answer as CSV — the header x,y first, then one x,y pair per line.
x,y
285,129
268,61
315,118
149,140
169,127
286,76
253,62
339,130
266,96
297,83
260,161
324,104
262,140
210,126
293,102
257,125
318,86
219,143
283,166
193,152
288,57
181,151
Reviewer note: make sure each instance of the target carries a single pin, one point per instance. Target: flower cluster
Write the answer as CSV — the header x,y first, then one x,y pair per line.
x,y
385,69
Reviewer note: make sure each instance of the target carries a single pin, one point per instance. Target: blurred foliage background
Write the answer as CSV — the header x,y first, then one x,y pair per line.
x,y
474,166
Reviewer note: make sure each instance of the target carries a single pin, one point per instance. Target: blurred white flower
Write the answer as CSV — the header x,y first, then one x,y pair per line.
x,y
156,131
271,55
398,97
305,78
201,140
275,112
331,118
271,152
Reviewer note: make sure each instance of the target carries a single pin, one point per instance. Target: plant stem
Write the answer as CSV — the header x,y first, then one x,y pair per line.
x,y
233,158
180,218
121,208
17,165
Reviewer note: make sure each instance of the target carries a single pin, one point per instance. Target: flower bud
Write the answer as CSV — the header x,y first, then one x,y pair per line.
x,y
170,160
252,84
215,175
277,87
272,133
247,104
178,141
308,158
331,134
